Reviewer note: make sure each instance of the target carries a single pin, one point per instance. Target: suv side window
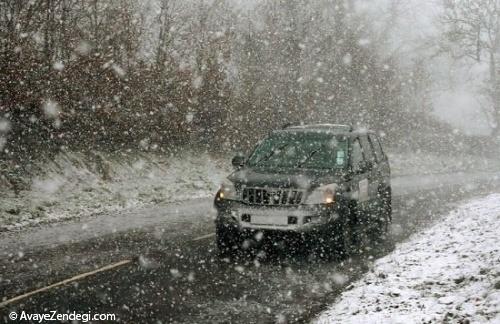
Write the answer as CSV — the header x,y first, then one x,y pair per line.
x,y
356,154
367,149
378,148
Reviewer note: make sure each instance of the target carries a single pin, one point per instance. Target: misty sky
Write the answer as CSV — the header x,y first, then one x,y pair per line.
x,y
456,93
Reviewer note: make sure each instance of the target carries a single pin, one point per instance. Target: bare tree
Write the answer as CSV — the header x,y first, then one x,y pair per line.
x,y
473,29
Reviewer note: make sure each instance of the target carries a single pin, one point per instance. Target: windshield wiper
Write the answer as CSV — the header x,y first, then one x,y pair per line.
x,y
301,164
273,152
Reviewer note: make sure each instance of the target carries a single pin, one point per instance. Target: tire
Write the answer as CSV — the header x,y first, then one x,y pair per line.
x,y
324,244
227,241
346,243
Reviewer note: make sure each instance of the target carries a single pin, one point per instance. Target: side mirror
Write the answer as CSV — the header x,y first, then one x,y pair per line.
x,y
238,161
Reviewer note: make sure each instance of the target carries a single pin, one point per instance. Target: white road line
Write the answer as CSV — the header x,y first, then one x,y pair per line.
x,y
65,281
203,237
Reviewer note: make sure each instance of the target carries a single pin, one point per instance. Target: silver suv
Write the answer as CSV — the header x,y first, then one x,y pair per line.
x,y
327,185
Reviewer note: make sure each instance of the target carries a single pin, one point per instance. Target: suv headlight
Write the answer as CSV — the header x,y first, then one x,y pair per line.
x,y
227,191
322,195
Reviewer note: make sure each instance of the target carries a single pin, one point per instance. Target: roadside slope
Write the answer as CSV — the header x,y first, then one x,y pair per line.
x,y
450,272
75,186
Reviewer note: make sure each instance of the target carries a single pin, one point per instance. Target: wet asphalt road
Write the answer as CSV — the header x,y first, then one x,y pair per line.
x,y
175,279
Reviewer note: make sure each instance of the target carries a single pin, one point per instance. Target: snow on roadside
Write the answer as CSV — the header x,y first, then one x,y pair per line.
x,y
449,273
74,185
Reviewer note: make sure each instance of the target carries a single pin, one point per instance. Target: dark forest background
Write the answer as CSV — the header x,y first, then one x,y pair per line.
x,y
112,75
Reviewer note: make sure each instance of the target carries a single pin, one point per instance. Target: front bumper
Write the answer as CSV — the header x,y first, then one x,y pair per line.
x,y
292,219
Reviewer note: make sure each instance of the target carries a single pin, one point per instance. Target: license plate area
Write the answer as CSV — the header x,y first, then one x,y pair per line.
x,y
268,220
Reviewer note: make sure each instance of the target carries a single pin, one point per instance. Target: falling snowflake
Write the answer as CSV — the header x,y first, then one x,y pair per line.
x,y
83,48
119,71
4,126
347,59
197,82
51,109
58,66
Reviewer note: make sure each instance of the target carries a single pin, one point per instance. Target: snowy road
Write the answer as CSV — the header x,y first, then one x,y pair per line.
x,y
176,275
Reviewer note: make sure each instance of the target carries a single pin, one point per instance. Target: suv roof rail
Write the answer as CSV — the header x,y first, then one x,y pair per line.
x,y
343,127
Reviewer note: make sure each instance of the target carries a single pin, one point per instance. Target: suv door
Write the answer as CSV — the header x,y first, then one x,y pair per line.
x,y
359,179
382,161
373,174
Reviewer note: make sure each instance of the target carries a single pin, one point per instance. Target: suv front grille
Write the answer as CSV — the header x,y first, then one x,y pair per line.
x,y
270,196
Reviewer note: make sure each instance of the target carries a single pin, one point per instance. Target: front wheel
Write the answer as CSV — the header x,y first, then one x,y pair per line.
x,y
227,240
348,242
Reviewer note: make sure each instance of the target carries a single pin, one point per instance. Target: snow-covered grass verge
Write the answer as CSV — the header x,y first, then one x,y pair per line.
x,y
449,273
75,185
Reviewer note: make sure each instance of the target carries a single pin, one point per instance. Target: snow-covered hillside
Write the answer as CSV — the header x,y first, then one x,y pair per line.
x,y
72,186
450,273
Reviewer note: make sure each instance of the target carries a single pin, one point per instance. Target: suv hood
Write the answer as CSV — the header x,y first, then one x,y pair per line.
x,y
304,179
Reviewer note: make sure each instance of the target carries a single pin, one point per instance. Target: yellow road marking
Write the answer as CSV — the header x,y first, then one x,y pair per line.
x,y
203,237
80,276
65,281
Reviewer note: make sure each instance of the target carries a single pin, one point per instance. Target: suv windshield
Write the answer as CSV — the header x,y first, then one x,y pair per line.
x,y
301,150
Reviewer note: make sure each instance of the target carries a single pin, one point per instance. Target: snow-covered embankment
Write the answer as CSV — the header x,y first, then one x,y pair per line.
x,y
75,185
449,273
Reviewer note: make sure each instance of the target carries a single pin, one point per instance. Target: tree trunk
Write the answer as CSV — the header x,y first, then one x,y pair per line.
x,y
495,92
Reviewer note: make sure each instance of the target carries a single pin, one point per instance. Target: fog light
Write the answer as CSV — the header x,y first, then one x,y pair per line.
x,y
245,218
292,220
307,219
